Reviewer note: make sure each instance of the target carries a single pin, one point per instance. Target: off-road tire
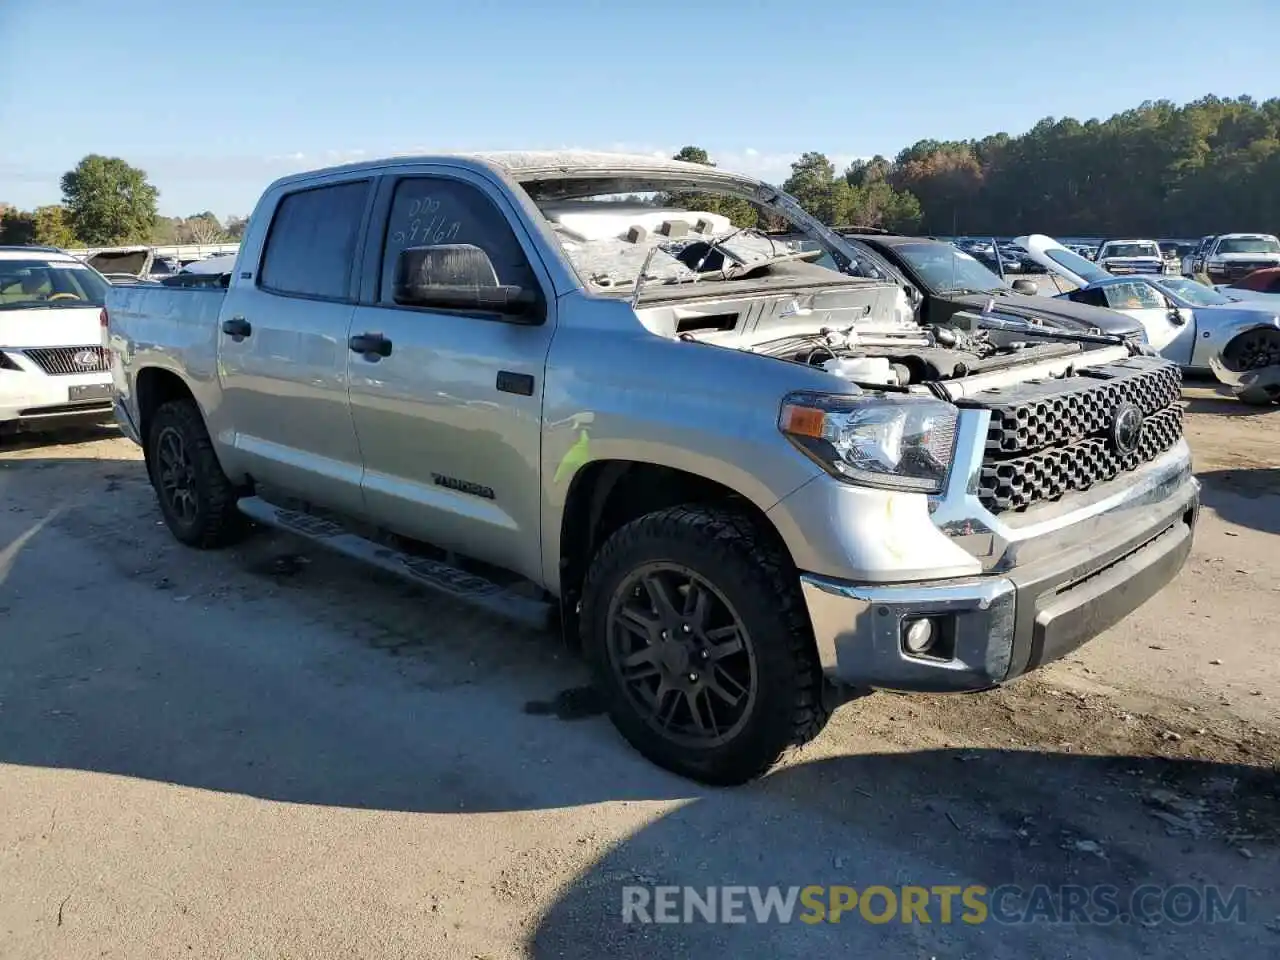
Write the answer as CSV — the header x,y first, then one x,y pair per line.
x,y
729,551
217,522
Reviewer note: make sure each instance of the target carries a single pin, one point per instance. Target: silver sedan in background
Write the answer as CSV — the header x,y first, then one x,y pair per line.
x,y
1201,329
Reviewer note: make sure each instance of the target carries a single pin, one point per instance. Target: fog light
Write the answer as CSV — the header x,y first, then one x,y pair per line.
x,y
918,636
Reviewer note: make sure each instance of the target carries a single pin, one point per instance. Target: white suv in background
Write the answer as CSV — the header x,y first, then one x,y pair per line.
x,y
53,369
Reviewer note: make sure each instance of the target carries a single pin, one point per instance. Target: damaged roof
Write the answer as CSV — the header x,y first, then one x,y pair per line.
x,y
524,165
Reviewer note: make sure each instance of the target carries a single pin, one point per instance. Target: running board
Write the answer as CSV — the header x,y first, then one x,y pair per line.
x,y
439,576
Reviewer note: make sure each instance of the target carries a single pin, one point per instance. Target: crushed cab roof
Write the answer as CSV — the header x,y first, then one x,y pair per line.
x,y
524,165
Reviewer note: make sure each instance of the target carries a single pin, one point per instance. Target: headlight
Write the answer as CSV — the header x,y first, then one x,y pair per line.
x,y
896,443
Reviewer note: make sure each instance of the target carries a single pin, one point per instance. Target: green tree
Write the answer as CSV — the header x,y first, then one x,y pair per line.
x,y
1159,169
109,201
17,227
53,227
165,231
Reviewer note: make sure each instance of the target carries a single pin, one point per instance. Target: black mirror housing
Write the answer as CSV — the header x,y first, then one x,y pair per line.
x,y
1029,287
460,276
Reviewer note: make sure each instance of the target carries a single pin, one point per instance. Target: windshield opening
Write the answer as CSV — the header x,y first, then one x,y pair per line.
x,y
1196,294
613,232
1131,250
1249,245
944,268
49,284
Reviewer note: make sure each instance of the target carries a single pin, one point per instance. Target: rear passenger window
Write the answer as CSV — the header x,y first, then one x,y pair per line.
x,y
312,241
432,210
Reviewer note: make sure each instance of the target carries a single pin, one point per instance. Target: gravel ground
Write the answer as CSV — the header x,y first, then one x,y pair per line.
x,y
271,752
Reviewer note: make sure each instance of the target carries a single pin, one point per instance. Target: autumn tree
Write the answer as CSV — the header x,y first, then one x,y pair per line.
x,y
109,202
201,228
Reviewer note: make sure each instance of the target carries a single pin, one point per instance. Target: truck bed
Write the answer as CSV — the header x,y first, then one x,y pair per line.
x,y
171,327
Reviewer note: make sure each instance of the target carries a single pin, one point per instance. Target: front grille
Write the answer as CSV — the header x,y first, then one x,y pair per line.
x,y
1238,269
1050,437
67,361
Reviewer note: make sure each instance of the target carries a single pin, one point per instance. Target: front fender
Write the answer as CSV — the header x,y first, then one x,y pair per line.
x,y
1214,338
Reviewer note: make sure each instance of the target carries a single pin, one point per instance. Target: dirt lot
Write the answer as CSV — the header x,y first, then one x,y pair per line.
x,y
272,753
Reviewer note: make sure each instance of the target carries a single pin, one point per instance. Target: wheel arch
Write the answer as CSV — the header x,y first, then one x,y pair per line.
x,y
153,387
605,495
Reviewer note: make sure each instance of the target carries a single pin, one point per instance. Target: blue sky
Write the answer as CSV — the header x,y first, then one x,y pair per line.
x,y
215,99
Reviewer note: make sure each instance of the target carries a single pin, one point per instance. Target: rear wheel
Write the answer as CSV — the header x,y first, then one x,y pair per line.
x,y
196,498
697,636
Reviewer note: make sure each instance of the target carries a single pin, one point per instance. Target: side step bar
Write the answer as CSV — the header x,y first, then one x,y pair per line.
x,y
442,577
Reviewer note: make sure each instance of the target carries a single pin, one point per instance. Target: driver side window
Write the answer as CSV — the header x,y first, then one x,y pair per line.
x,y
426,211
1134,296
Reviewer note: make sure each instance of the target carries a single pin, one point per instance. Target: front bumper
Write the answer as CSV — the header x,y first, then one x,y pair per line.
x,y
999,625
32,399
1231,272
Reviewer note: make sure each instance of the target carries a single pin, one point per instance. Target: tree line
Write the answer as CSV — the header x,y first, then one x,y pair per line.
x,y
106,202
1159,169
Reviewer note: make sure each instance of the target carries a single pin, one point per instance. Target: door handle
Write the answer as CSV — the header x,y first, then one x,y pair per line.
x,y
370,343
237,328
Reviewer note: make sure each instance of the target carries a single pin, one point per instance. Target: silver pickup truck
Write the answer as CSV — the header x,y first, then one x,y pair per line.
x,y
744,483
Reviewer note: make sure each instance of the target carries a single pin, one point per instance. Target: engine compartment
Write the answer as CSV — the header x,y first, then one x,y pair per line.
x,y
933,355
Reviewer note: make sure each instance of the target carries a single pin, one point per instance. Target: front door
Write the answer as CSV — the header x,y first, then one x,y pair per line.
x,y
282,349
449,420
1149,307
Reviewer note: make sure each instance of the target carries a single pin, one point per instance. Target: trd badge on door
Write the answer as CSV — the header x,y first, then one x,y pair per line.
x,y
463,486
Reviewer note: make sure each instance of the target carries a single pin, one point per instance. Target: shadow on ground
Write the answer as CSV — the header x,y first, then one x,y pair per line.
x,y
34,440
276,695
1248,497
1224,405
934,818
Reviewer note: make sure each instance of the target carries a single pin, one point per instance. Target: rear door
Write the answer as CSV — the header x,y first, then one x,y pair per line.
x,y
450,419
282,346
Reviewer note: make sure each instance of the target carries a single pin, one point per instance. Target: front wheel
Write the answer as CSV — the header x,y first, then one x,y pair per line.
x,y
197,500
698,638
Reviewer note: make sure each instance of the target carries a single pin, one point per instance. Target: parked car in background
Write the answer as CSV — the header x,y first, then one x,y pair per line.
x,y
1130,256
1233,256
1262,285
1197,327
212,271
951,280
52,367
737,479
132,264
1193,262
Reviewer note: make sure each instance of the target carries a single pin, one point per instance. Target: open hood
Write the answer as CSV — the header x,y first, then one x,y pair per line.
x,y
1060,261
131,261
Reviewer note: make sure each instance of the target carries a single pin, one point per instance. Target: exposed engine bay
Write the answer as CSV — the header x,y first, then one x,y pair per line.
x,y
840,332
938,353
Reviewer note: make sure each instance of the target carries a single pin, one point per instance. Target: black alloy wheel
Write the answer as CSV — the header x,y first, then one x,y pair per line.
x,y
682,654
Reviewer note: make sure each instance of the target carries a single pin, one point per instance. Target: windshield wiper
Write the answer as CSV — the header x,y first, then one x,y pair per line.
x,y
970,291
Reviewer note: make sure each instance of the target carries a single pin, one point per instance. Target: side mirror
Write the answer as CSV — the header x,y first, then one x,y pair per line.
x,y
1175,316
460,276
1029,287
